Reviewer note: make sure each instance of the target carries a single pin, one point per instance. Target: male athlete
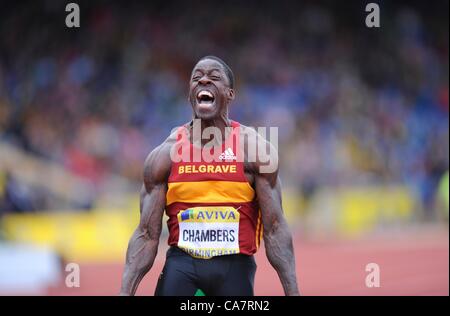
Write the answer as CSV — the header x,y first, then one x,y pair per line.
x,y
218,208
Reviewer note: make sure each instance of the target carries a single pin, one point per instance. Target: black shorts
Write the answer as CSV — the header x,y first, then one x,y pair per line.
x,y
229,275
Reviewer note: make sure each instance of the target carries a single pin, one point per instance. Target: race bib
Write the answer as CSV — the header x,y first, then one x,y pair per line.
x,y
209,231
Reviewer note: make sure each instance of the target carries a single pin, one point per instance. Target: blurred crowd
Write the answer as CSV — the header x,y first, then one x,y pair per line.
x,y
354,105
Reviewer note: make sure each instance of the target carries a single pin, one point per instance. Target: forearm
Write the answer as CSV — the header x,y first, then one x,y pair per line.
x,y
140,256
280,253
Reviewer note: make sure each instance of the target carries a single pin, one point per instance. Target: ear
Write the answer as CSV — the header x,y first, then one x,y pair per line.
x,y
231,94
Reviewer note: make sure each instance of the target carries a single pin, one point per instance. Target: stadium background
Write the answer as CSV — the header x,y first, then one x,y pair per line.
x,y
363,118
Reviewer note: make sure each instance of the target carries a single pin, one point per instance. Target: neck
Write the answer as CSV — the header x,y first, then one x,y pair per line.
x,y
216,133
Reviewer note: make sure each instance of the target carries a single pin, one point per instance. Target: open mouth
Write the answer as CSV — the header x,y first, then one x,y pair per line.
x,y
205,98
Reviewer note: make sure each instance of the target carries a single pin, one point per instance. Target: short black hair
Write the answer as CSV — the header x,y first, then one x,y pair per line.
x,y
227,68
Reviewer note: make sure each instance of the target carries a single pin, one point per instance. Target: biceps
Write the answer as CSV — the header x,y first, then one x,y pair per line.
x,y
152,210
269,197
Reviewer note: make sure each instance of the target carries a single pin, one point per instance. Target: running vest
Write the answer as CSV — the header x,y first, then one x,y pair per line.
x,y
212,208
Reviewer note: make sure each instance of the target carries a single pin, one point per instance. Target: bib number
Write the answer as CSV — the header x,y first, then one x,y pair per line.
x,y
209,231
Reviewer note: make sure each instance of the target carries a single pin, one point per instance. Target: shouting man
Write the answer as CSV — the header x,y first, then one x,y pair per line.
x,y
222,194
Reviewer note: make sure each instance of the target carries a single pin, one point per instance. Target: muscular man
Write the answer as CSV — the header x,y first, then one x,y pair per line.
x,y
219,208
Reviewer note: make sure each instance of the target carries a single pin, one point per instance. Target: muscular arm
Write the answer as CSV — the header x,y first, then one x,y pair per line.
x,y
143,245
277,237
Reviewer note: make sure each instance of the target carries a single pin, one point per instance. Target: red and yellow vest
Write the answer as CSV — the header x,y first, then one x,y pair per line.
x,y
212,208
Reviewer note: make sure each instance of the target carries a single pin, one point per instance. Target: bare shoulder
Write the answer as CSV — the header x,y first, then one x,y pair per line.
x,y
260,155
252,137
158,163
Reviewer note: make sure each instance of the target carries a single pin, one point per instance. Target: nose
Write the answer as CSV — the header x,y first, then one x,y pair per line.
x,y
204,80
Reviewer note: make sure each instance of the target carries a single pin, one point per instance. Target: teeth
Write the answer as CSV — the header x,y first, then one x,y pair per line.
x,y
205,92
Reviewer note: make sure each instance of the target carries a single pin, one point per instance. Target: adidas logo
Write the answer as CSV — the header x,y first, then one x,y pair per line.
x,y
227,155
